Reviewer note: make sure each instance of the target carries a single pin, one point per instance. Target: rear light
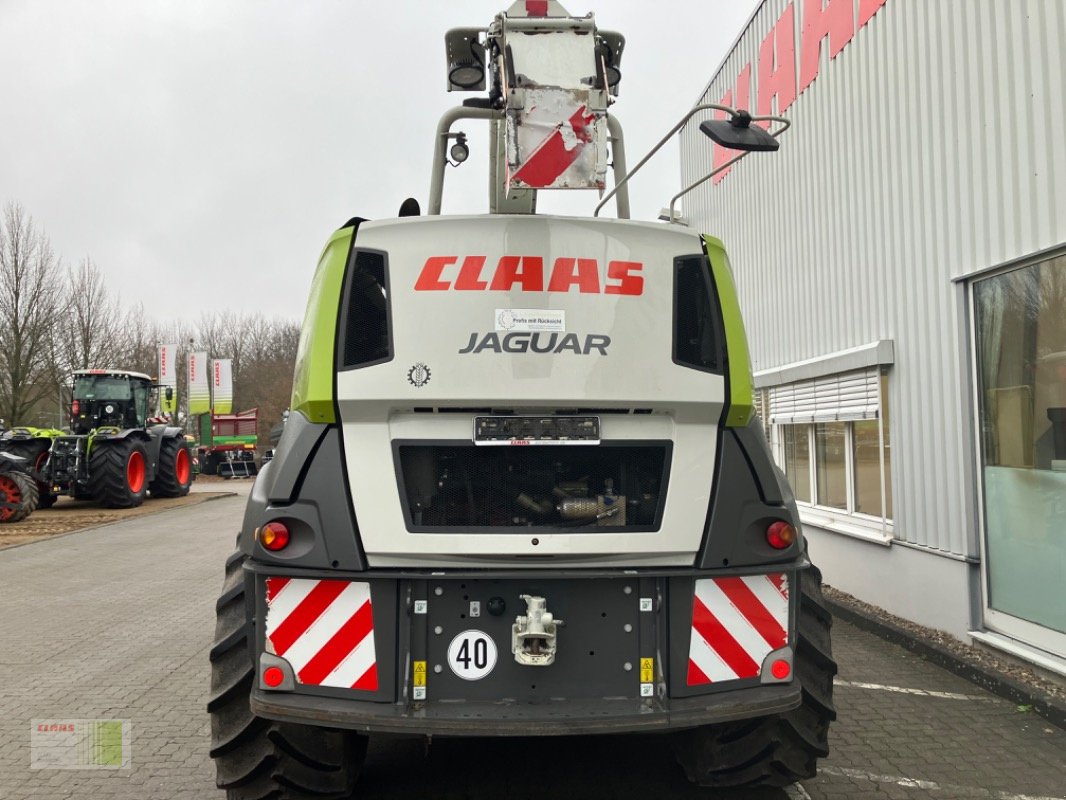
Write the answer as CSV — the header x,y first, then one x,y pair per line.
x,y
780,535
273,677
274,536
75,407
780,669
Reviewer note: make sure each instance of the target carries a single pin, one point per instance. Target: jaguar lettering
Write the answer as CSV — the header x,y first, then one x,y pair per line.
x,y
538,342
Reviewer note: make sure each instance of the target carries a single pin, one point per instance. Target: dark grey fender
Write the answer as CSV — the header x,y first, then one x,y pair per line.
x,y
750,493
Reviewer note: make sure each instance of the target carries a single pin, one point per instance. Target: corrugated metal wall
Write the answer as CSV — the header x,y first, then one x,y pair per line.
x,y
932,146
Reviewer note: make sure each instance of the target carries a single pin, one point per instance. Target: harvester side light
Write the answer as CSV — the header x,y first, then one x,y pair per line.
x,y
780,535
466,60
459,151
780,669
274,536
609,50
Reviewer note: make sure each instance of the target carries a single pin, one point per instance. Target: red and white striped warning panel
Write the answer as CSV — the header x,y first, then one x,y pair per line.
x,y
736,623
556,141
324,629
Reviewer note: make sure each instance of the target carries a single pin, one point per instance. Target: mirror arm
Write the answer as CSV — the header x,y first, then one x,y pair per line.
x,y
785,124
694,110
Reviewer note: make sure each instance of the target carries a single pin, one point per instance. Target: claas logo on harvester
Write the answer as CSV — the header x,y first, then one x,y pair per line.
x,y
528,273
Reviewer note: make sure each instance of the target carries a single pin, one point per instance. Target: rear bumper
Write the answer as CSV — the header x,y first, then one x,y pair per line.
x,y
639,650
558,718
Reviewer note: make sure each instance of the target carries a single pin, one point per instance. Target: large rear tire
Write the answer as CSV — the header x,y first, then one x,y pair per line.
x,y
117,473
258,758
785,748
173,476
35,451
19,493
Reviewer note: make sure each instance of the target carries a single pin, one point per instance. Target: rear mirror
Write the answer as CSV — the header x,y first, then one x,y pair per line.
x,y
170,393
737,133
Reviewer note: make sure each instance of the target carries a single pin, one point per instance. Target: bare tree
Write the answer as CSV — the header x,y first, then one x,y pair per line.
x,y
135,346
92,320
31,304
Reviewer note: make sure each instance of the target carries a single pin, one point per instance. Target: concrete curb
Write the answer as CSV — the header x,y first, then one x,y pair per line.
x,y
992,680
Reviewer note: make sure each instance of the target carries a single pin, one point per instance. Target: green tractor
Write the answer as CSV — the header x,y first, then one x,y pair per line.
x,y
114,453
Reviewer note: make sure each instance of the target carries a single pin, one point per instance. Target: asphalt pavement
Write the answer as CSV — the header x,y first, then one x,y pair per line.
x,y
116,623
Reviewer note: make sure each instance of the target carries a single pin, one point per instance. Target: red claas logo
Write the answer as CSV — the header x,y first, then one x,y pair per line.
x,y
218,374
163,361
529,274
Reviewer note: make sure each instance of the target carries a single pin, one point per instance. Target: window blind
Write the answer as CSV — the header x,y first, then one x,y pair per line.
x,y
848,396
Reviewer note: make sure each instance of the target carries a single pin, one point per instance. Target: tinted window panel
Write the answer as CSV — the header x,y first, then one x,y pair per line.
x,y
366,335
697,329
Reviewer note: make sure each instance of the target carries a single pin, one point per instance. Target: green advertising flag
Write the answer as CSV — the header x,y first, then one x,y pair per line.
x,y
199,383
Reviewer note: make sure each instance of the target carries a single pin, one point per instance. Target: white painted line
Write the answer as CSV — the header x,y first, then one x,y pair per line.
x,y
796,792
904,690
932,786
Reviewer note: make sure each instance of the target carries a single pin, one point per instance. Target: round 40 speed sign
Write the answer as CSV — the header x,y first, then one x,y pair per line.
x,y
472,655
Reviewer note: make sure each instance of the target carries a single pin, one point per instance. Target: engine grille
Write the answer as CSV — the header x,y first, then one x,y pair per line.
x,y
456,486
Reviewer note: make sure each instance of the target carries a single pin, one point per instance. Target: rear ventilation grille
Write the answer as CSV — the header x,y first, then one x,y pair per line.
x,y
457,486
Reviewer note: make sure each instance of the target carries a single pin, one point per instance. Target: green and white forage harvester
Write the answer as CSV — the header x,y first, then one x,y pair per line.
x,y
521,490
115,451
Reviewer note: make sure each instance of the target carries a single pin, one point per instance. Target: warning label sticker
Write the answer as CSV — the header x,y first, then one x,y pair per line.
x,y
530,319
419,674
647,670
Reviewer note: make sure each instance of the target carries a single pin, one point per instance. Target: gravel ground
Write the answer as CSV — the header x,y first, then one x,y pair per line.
x,y
982,659
68,514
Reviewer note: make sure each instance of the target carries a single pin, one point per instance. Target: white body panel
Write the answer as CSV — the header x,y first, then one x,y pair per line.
x,y
377,403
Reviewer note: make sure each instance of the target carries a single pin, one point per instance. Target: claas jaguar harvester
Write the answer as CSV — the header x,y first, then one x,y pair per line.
x,y
521,490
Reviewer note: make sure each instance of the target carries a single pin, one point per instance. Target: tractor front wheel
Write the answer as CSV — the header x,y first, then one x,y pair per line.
x,y
174,473
118,473
259,758
18,493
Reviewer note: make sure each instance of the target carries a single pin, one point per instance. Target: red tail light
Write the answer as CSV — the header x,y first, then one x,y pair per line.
x,y
75,407
273,676
780,669
274,536
780,535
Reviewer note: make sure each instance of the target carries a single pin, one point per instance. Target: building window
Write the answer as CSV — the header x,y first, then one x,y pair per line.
x,y
832,439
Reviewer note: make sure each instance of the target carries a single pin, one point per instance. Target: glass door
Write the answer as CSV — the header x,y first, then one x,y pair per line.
x,y
1020,353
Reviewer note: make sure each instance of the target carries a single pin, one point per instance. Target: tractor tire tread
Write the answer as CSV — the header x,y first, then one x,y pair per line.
x,y
256,758
781,749
108,484
27,488
167,483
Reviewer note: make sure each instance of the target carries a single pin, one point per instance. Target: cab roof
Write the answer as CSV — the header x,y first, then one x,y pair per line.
x,y
115,373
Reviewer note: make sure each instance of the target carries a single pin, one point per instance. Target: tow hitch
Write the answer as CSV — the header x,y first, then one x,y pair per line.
x,y
533,639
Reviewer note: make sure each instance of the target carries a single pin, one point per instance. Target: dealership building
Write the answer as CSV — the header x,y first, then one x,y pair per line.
x,y
901,262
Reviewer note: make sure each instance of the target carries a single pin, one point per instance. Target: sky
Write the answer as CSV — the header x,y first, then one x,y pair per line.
x,y
201,153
